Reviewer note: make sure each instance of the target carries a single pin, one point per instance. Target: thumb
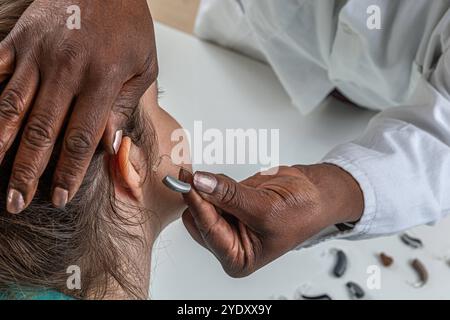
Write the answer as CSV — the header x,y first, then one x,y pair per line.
x,y
244,202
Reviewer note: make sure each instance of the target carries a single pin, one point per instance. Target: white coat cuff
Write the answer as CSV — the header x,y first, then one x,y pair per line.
x,y
364,225
362,228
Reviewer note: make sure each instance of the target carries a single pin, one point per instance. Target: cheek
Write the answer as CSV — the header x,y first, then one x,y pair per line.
x,y
168,204
167,128
176,153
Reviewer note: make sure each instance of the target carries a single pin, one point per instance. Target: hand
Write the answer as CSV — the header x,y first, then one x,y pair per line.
x,y
58,74
249,224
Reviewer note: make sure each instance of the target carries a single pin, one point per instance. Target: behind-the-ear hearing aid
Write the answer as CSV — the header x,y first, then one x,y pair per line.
x,y
169,181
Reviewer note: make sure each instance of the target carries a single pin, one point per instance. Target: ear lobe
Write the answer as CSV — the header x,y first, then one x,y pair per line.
x,y
126,175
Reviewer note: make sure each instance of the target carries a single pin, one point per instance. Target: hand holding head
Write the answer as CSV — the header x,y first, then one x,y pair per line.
x,y
81,83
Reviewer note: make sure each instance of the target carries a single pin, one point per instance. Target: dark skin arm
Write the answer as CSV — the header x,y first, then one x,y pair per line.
x,y
92,77
249,224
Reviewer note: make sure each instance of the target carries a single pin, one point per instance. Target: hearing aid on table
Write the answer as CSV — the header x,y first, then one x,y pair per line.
x,y
176,185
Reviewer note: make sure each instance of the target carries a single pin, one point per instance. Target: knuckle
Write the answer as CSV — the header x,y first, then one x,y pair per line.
x,y
70,61
66,176
23,173
12,105
64,77
79,143
69,174
39,132
228,195
71,52
106,75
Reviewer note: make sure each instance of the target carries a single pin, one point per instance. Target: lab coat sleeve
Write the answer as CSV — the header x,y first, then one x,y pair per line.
x,y
224,22
402,162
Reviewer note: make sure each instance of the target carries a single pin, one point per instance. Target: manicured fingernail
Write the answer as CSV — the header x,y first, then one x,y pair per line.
x,y
205,183
117,141
60,197
15,203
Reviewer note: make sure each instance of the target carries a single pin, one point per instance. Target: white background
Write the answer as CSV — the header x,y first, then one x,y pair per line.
x,y
226,90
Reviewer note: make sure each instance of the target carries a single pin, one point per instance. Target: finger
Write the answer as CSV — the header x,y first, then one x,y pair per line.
x,y
204,213
205,224
15,101
7,60
38,139
244,202
125,105
188,219
216,234
84,132
189,223
229,242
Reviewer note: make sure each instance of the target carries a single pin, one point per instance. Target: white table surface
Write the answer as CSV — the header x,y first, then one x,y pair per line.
x,y
226,90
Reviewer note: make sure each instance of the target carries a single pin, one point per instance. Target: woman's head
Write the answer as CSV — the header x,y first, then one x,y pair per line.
x,y
109,227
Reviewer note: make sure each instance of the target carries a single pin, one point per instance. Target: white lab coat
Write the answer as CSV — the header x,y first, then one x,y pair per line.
x,y
402,162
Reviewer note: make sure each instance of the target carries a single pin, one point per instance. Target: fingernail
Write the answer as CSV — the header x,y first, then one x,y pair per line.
x,y
205,183
60,197
117,141
15,203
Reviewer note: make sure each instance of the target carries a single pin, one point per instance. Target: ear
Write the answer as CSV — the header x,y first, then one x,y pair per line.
x,y
127,178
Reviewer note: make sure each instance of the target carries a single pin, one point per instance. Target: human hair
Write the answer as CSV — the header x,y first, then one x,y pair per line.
x,y
38,245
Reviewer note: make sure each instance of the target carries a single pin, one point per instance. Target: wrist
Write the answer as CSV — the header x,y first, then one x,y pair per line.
x,y
341,198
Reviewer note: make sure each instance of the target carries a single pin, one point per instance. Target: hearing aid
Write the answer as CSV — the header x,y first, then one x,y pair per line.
x,y
176,185
341,263
412,242
355,291
422,272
